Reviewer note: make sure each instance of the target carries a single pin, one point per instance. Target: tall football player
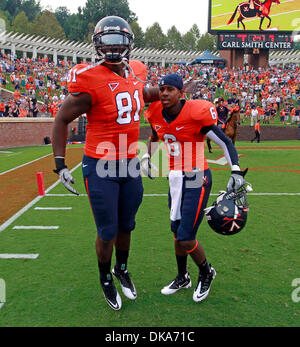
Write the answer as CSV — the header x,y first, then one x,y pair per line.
x,y
182,125
112,94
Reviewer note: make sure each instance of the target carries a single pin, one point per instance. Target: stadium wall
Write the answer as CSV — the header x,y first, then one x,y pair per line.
x,y
246,133
19,132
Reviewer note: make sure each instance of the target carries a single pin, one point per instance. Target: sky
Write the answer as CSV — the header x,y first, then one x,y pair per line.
x,y
182,14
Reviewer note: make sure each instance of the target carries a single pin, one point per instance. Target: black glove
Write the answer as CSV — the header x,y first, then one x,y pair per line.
x,y
64,174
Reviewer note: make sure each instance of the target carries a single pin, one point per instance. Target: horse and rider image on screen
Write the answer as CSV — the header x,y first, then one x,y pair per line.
x,y
254,15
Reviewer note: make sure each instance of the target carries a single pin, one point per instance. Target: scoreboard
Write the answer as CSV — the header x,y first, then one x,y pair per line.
x,y
263,40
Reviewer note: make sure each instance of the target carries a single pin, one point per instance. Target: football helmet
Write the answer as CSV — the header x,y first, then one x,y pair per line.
x,y
228,214
113,39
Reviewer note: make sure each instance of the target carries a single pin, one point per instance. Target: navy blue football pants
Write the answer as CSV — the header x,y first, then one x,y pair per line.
x,y
114,199
193,203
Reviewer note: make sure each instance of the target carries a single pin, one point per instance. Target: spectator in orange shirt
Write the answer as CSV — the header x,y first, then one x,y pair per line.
x,y
17,95
282,116
2,109
257,132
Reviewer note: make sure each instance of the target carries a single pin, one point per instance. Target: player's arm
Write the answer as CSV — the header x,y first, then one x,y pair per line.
x,y
150,94
72,107
146,165
216,135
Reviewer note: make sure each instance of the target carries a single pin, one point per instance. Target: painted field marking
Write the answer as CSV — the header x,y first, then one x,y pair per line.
x,y
73,195
18,256
52,208
36,227
17,167
1,305
30,204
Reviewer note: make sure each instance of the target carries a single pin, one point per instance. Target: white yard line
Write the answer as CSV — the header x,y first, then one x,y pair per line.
x,y
30,204
36,227
17,167
18,256
52,208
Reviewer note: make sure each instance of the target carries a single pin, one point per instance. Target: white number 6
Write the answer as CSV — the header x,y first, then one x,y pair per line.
x,y
213,113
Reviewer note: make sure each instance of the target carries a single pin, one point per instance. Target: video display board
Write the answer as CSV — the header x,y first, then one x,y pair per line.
x,y
254,16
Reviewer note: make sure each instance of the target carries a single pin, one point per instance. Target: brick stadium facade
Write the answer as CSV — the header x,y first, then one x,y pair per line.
x,y
19,132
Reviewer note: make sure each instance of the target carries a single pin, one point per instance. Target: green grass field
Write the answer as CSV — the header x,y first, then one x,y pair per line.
x,y
255,268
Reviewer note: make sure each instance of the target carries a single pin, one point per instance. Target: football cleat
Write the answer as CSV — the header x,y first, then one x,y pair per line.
x,y
180,282
127,285
111,295
203,286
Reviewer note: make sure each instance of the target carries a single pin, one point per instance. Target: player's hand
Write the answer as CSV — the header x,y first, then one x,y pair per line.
x,y
147,166
236,180
67,179
64,174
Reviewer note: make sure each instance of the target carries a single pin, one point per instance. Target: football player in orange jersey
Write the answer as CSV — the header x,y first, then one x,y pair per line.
x,y
183,125
112,94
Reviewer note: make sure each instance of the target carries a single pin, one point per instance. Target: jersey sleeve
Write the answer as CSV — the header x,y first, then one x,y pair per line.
x,y
78,80
139,69
204,113
150,112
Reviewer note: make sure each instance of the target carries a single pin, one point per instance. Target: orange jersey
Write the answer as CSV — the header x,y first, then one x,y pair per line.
x,y
182,137
117,103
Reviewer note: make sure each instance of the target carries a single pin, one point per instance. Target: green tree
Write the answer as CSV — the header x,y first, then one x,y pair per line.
x,y
196,33
154,37
174,39
73,28
31,8
139,36
94,10
189,41
46,24
13,6
7,18
21,24
207,41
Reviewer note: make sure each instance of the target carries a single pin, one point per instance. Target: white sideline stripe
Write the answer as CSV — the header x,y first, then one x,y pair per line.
x,y
18,256
17,167
52,208
73,195
1,305
35,227
30,204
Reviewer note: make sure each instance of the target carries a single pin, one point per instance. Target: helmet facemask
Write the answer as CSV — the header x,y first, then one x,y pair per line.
x,y
113,47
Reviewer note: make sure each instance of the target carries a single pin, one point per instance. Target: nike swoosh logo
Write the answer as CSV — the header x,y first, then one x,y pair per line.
x,y
84,165
135,83
177,129
112,304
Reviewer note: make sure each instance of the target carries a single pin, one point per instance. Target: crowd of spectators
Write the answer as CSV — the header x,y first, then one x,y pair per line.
x,y
39,87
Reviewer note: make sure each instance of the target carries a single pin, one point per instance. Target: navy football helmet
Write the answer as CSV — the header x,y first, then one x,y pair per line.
x,y
228,214
113,39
